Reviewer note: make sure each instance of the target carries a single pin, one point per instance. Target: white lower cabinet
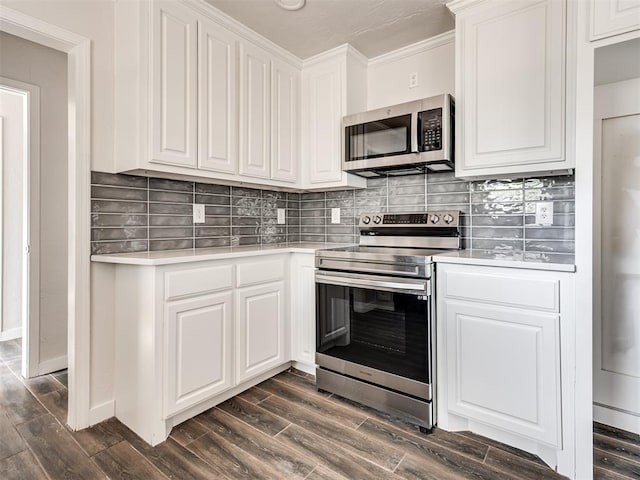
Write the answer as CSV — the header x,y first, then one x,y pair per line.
x,y
506,366
506,357
190,336
303,312
260,343
198,334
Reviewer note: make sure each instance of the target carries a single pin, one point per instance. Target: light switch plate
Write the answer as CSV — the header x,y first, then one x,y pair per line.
x,y
198,213
544,213
281,216
335,215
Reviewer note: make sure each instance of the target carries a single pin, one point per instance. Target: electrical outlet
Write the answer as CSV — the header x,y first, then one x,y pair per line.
x,y
281,219
198,213
335,215
544,213
413,80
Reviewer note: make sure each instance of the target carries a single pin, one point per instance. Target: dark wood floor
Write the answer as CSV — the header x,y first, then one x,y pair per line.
x,y
281,429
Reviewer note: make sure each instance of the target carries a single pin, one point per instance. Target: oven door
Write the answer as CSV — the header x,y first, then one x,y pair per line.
x,y
375,328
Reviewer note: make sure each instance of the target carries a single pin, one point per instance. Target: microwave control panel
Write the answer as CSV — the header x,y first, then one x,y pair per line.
x,y
430,122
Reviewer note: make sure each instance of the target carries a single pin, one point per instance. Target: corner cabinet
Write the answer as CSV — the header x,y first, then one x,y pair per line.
x,y
506,357
511,87
333,85
189,336
196,99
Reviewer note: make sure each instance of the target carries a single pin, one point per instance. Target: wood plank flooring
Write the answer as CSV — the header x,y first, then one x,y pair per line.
x,y
281,429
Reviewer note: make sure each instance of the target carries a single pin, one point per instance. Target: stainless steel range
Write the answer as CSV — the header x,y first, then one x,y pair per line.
x,y
375,320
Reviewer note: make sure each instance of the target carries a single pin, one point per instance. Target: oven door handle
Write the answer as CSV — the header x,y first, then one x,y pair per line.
x,y
401,285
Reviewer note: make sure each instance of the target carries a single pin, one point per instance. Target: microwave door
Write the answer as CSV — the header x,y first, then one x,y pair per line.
x,y
380,138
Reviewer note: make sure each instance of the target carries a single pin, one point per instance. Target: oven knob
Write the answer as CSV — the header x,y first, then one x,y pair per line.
x,y
435,218
377,219
447,218
366,220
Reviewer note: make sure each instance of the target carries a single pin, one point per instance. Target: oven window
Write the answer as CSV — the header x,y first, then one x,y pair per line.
x,y
391,136
382,330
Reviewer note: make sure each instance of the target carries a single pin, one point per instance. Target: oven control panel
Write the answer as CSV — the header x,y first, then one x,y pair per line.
x,y
446,218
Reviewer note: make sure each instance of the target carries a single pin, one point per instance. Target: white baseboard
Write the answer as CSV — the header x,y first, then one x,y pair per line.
x,y
304,367
102,412
10,334
616,418
53,365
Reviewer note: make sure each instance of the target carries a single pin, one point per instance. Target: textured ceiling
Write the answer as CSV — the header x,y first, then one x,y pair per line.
x,y
373,27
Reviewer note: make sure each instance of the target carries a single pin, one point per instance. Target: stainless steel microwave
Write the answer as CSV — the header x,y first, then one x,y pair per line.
x,y
411,137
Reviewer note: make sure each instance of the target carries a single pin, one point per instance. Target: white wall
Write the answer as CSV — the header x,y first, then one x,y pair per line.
x,y
92,19
12,110
47,68
433,60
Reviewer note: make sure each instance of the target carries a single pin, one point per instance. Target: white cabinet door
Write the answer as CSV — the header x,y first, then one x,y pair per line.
x,y
503,368
285,107
255,111
303,321
174,85
323,88
511,88
612,17
198,338
217,98
260,330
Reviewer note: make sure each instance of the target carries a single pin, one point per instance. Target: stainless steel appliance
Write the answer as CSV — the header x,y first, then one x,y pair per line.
x,y
398,140
375,315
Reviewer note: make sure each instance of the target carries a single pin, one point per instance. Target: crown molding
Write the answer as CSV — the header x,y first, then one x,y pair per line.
x,y
415,48
243,31
339,51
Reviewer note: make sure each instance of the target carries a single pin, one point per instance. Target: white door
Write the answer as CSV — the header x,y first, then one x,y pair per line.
x,y
174,105
217,98
260,334
198,342
255,107
617,307
285,107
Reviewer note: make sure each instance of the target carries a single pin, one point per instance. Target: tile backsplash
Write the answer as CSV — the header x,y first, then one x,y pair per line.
x,y
130,213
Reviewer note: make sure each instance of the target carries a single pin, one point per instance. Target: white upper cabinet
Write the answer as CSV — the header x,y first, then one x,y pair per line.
x,y
217,127
510,87
285,131
612,17
334,85
174,105
255,108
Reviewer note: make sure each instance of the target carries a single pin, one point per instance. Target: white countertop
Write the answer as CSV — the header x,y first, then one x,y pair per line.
x,y
559,262
168,257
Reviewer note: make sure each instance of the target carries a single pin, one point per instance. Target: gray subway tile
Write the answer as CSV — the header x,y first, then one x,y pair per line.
x,y
118,193
118,179
249,240
312,221
217,210
341,239
170,197
454,187
246,211
447,198
245,231
245,221
549,233
170,232
170,209
550,246
562,219
177,244
306,237
493,185
213,199
117,220
497,208
552,181
170,221
213,189
213,231
445,177
306,197
418,200
501,196
112,206
212,242
406,190
174,185
497,232
497,244
497,220
547,194
210,221
128,246
558,207
245,192
309,229
116,233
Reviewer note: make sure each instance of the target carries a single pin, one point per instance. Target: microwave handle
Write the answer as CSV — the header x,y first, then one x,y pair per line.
x,y
415,133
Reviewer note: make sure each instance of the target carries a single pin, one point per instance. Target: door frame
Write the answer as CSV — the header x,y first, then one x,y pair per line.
x,y
31,223
78,50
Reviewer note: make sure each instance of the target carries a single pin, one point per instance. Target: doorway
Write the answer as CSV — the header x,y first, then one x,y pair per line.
x,y
616,380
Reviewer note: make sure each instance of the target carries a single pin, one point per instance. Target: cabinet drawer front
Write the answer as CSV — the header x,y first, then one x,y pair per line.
x,y
260,272
511,290
197,280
